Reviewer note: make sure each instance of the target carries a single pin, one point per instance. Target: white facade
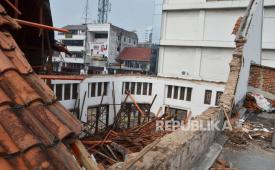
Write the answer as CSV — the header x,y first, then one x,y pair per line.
x,y
159,87
106,41
196,39
75,42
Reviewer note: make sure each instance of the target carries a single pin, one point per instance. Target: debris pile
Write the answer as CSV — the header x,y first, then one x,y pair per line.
x,y
257,103
222,165
117,145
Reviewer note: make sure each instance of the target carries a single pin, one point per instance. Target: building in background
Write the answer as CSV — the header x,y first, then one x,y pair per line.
x,y
157,21
135,60
196,28
148,34
75,43
104,43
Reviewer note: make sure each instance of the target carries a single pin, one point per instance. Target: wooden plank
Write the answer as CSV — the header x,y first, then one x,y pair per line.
x,y
228,119
111,151
61,77
40,26
82,154
105,156
135,103
13,7
86,142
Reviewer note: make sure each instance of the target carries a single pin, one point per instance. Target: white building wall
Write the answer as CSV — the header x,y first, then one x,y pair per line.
x,y
157,21
252,48
204,28
159,88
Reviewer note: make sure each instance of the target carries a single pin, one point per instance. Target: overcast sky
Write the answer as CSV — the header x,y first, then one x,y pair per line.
x,y
128,14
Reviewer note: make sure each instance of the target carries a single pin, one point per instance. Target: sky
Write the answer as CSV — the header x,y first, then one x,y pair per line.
x,y
128,14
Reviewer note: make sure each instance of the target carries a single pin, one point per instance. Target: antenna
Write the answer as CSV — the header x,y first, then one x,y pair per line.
x,y
86,12
104,8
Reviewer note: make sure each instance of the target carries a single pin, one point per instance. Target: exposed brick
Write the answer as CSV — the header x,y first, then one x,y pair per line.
x,y
263,78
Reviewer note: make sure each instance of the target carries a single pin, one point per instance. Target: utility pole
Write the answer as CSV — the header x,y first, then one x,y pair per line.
x,y
104,8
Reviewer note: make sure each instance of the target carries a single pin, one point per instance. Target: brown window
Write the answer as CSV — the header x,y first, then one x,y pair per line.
x,y
207,96
93,87
133,87
99,89
176,92
139,88
75,93
169,92
105,88
58,91
189,94
145,86
67,91
218,97
127,86
150,88
182,93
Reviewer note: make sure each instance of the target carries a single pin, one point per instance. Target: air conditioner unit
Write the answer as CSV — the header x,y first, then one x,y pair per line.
x,y
185,73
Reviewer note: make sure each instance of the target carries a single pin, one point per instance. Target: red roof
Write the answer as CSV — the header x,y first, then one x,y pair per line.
x,y
34,127
135,54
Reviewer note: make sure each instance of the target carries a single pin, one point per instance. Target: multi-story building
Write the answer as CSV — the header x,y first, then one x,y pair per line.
x,y
195,34
75,43
148,35
104,43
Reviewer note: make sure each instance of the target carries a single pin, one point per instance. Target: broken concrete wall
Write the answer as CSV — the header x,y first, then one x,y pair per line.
x,y
262,80
251,32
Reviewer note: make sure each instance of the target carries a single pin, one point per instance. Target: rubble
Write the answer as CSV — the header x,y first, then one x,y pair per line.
x,y
221,165
117,145
249,126
257,103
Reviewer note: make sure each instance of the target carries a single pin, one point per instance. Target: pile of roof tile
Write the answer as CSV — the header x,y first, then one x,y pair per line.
x,y
251,104
34,128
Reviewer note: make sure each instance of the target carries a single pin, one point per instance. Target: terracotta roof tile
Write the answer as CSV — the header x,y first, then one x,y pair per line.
x,y
17,88
7,20
33,125
135,54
